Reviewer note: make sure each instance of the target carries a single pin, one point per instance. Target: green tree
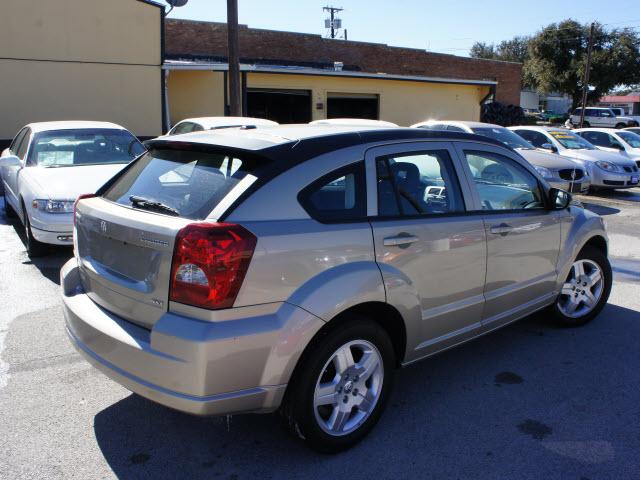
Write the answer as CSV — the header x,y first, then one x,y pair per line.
x,y
514,50
557,59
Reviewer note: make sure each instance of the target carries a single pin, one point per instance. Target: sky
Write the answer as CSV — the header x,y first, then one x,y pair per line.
x,y
447,26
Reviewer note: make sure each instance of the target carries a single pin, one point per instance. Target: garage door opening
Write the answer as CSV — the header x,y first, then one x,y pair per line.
x,y
353,105
282,106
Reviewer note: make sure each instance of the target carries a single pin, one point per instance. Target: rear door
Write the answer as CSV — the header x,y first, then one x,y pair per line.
x,y
425,241
523,236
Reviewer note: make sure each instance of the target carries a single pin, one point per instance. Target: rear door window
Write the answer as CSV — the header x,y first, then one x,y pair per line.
x,y
180,182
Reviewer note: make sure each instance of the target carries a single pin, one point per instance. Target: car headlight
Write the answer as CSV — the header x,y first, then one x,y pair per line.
x,y
545,172
54,206
607,166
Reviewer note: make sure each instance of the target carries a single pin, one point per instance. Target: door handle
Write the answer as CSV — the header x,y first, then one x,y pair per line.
x,y
400,240
502,229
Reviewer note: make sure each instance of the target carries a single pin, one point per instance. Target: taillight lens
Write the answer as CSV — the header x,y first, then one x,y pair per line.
x,y
210,261
75,205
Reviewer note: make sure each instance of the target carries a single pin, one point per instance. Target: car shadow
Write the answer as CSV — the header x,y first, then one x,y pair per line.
x,y
496,396
601,209
629,195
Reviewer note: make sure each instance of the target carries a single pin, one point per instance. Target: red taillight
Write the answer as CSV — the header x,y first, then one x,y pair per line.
x,y
75,205
210,261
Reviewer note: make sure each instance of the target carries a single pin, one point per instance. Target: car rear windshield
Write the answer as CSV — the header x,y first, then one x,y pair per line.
x,y
570,140
86,146
505,136
182,183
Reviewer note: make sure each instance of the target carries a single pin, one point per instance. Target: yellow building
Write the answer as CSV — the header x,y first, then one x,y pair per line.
x,y
295,77
81,60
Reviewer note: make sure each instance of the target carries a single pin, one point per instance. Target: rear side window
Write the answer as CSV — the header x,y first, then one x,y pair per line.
x,y
337,197
185,183
536,139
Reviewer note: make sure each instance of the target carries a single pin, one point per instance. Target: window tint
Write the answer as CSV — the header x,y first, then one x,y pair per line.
x,y
590,112
502,183
191,183
24,144
536,139
339,196
570,140
15,144
631,138
420,183
600,139
503,135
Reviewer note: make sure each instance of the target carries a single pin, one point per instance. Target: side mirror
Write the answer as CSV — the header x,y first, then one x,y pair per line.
x,y
550,146
559,199
10,161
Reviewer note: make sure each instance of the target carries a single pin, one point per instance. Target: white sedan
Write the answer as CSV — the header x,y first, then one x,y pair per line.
x,y
49,164
612,140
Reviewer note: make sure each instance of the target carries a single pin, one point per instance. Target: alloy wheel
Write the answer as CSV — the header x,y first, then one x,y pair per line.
x,y
582,290
348,388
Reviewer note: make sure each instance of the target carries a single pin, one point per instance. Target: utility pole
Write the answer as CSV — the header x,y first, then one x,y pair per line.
x,y
585,82
235,99
332,12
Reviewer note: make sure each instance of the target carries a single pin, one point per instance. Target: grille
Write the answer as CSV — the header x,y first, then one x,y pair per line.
x,y
566,174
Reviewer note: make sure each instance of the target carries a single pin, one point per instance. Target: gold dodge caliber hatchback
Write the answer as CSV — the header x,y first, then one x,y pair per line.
x,y
294,268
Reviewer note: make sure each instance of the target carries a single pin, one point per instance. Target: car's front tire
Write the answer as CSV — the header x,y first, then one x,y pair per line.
x,y
34,247
9,212
341,386
586,289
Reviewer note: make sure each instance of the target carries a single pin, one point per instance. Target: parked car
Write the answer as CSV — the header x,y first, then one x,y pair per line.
x,y
559,172
49,164
189,125
619,112
553,117
606,169
354,122
601,117
300,281
611,140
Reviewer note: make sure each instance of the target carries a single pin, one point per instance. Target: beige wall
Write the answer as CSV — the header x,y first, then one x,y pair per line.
x,y
80,60
200,93
115,31
401,102
195,94
41,91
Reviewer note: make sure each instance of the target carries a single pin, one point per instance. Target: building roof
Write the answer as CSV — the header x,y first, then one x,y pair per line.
x,y
207,42
634,97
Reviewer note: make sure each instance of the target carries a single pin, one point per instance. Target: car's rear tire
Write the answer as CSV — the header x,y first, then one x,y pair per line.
x,y
341,385
9,212
620,126
34,247
586,289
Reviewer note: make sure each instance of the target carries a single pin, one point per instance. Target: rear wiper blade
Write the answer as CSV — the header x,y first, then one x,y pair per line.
x,y
147,204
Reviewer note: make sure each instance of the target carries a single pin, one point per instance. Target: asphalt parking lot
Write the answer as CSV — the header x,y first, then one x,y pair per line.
x,y
529,401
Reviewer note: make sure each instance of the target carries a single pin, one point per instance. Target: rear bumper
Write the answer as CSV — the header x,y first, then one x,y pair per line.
x,y
199,367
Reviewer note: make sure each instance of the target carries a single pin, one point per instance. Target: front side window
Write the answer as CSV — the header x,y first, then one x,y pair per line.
x,y
571,140
418,183
87,146
337,197
178,182
502,183
631,138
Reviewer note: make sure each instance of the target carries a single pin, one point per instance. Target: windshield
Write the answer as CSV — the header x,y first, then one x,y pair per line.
x,y
180,182
570,140
88,146
505,136
631,138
